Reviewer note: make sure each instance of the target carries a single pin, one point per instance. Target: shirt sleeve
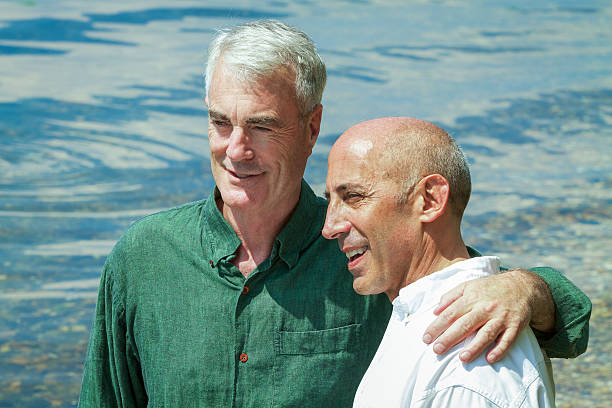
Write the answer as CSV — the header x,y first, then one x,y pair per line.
x,y
112,376
572,314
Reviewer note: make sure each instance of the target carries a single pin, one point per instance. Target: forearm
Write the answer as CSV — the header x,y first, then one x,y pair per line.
x,y
501,305
572,310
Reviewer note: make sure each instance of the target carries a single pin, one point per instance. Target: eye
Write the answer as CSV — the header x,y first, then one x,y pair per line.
x,y
352,197
219,123
261,129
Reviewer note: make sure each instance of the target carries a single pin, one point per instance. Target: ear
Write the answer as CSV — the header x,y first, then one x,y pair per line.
x,y
434,191
206,101
314,123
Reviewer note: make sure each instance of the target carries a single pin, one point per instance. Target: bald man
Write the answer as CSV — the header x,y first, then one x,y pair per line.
x,y
397,190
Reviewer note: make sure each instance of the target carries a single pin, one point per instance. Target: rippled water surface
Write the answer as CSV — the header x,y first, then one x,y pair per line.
x,y
102,121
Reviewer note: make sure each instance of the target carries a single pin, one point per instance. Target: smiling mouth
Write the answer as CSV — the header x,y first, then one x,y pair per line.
x,y
241,176
355,255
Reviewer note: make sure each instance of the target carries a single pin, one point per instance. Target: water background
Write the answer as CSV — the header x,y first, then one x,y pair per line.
x,y
102,121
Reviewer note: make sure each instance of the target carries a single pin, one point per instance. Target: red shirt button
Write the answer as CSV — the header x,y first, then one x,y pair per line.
x,y
244,357
211,263
245,290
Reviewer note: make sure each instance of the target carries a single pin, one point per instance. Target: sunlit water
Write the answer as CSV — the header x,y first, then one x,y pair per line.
x,y
102,121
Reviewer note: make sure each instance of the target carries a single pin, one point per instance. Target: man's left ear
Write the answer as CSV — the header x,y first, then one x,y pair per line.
x,y
314,124
435,192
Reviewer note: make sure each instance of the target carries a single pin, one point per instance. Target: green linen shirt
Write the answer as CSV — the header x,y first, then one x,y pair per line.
x,y
177,325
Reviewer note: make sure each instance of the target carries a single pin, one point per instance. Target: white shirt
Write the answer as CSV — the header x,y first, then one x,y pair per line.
x,y
405,372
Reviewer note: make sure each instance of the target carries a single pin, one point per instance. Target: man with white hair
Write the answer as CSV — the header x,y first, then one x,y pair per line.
x,y
397,190
237,300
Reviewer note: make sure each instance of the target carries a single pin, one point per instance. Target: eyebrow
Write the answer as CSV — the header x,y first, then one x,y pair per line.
x,y
263,120
217,115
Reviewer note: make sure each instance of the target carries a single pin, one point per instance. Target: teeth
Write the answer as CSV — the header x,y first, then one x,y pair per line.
x,y
354,252
242,176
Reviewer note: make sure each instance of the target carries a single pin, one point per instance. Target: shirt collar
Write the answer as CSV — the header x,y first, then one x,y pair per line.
x,y
472,252
221,238
428,290
303,227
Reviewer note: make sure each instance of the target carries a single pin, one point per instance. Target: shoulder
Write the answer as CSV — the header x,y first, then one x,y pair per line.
x,y
176,220
170,218
147,233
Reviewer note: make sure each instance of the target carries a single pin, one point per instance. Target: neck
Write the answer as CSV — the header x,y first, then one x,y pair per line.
x,y
436,251
257,231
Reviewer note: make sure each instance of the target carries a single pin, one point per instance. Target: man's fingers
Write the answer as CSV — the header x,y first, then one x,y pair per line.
x,y
444,320
448,298
506,340
457,332
483,339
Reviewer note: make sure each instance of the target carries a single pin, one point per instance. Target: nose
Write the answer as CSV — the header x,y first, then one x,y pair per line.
x,y
239,147
335,224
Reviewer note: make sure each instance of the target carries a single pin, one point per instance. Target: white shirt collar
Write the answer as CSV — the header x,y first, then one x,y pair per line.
x,y
428,290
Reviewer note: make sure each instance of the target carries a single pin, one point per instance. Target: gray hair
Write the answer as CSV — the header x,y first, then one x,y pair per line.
x,y
420,152
261,48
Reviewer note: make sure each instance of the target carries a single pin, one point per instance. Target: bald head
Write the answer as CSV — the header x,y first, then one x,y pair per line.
x,y
407,149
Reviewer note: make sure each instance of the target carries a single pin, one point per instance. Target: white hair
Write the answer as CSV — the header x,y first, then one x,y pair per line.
x,y
261,48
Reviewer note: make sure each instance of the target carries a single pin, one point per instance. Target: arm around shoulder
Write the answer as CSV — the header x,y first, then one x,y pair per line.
x,y
572,313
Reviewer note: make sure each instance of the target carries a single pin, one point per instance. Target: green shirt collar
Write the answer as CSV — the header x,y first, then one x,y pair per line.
x,y
220,237
472,252
304,226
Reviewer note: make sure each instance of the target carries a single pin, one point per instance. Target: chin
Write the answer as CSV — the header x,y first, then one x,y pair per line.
x,y
360,288
236,198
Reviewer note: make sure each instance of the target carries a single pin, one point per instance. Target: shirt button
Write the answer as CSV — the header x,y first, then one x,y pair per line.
x,y
245,290
244,357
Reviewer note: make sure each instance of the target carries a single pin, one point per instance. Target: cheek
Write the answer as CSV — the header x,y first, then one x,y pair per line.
x,y
277,151
388,233
216,144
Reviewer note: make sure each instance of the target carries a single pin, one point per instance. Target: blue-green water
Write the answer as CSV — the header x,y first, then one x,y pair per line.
x,y
102,121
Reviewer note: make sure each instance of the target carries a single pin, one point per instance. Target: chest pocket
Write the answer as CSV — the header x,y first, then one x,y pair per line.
x,y
345,338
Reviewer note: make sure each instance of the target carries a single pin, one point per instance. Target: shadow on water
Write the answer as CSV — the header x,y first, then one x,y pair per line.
x,y
436,52
54,30
32,118
55,156
11,50
554,10
167,14
357,73
511,124
78,31
548,113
